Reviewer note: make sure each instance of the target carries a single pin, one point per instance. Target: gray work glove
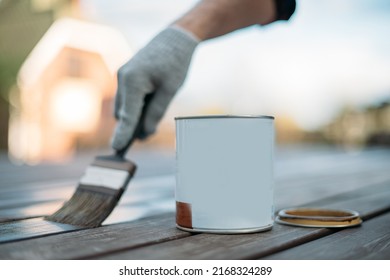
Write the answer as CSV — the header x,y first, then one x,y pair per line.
x,y
153,76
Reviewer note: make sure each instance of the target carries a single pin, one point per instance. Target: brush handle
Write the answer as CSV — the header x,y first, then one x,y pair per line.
x,y
138,129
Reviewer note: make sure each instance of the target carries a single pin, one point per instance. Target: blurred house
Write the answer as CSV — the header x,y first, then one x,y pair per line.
x,y
66,90
358,128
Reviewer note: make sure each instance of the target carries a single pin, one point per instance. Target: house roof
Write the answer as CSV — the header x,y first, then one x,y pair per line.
x,y
77,34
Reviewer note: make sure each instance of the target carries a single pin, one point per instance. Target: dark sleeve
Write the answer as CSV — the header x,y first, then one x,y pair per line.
x,y
285,9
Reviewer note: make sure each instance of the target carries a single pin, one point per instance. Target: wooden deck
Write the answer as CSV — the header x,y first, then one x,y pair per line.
x,y
143,226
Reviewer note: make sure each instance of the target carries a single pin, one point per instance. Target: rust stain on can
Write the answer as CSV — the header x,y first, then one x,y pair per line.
x,y
183,214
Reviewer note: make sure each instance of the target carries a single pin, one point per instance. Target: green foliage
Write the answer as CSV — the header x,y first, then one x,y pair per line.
x,y
9,68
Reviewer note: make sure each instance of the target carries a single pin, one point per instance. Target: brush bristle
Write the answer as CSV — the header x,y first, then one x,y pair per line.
x,y
85,208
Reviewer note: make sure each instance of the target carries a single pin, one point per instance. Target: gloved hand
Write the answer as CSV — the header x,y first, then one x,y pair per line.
x,y
154,74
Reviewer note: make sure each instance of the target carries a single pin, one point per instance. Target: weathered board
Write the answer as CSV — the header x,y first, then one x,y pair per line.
x,y
94,242
31,228
28,212
143,197
249,246
370,241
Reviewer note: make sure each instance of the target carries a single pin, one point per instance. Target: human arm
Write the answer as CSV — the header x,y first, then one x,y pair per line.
x,y
213,18
159,69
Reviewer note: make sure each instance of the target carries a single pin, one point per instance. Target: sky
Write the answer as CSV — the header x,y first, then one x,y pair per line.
x,y
331,54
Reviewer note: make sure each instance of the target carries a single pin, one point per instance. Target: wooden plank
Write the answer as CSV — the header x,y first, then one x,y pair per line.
x,y
93,242
31,228
213,246
138,190
208,246
312,179
20,177
145,197
299,192
150,184
26,202
130,212
144,193
369,202
150,163
11,190
18,199
311,164
28,212
370,241
122,213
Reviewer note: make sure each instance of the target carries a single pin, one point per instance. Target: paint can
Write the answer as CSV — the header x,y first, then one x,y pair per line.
x,y
224,174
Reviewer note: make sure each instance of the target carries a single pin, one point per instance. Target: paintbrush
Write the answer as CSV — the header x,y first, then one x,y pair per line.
x,y
100,188
98,192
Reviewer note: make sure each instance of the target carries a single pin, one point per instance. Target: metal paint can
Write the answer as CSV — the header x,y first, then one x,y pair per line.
x,y
224,174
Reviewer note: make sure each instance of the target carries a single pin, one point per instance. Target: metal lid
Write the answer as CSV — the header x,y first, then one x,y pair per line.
x,y
226,116
318,217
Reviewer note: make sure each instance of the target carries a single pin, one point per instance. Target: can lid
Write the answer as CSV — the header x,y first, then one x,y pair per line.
x,y
319,217
226,117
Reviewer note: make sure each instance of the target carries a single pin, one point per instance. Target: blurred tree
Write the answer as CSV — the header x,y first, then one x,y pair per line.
x,y
22,24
